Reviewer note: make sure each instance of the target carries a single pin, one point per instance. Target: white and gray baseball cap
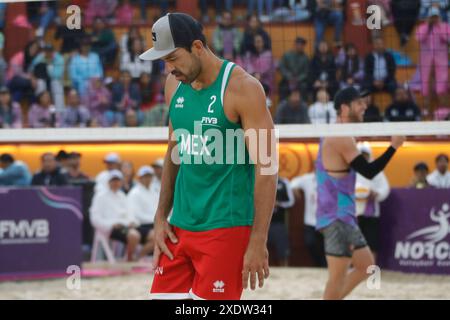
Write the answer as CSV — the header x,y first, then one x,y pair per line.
x,y
173,31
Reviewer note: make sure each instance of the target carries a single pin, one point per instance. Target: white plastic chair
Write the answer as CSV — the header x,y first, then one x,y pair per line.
x,y
101,241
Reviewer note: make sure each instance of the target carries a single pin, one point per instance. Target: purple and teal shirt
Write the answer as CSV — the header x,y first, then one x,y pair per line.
x,y
335,196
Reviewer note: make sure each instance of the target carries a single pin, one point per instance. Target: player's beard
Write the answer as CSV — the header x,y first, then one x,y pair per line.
x,y
355,117
195,70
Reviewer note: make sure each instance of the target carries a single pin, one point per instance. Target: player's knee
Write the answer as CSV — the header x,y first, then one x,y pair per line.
x,y
133,236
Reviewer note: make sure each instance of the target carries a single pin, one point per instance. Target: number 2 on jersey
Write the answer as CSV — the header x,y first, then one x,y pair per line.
x,y
213,100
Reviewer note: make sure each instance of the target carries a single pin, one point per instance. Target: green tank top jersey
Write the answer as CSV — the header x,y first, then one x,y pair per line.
x,y
215,183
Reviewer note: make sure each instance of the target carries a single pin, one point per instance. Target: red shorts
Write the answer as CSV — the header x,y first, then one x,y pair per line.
x,y
206,265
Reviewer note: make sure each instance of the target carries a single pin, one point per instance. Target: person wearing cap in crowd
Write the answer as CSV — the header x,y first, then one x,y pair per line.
x,y
112,162
294,69
50,174
213,232
157,166
142,204
337,164
369,194
109,214
440,177
10,111
74,174
419,181
13,172
433,36
62,160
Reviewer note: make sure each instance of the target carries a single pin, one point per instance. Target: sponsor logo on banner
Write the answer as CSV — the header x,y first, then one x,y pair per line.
x,y
429,246
24,231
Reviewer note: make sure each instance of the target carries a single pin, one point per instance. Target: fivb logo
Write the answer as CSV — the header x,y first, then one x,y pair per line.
x,y
428,242
24,231
218,286
180,103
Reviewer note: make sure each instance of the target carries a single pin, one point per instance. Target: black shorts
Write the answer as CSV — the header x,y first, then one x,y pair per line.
x,y
370,227
120,233
341,239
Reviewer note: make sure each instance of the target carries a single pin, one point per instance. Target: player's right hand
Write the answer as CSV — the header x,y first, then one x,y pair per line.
x,y
162,231
397,141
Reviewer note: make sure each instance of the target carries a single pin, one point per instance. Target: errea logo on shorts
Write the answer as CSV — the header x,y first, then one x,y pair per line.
x,y
180,103
218,286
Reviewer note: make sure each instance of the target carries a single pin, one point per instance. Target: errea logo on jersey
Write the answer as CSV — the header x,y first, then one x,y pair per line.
x,y
180,103
218,286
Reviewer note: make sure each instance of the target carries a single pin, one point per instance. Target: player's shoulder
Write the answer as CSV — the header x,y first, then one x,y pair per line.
x,y
241,81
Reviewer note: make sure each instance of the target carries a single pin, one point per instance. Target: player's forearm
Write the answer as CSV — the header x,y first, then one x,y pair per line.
x,y
264,198
169,175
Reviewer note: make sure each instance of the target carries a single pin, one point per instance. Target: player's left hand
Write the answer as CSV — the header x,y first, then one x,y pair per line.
x,y
256,264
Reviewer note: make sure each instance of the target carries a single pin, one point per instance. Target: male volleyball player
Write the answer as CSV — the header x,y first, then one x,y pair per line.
x,y
216,239
337,164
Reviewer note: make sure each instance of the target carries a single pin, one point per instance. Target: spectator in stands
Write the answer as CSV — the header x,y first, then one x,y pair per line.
x,y
419,181
41,13
13,172
127,169
260,63
109,214
369,194
75,114
328,12
112,162
379,69
403,108
434,37
441,5
227,39
130,61
372,113
50,174
71,38
98,100
100,9
10,111
440,177
292,110
322,111
148,91
62,160
260,4
125,13
293,11
142,204
158,165
350,67
104,42
125,96
305,189
131,119
43,113
252,29
74,175
127,39
405,14
278,238
84,66
294,71
322,70
18,77
220,5
158,115
52,65
3,64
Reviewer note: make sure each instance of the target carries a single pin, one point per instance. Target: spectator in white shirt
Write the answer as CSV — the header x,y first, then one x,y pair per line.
x,y
112,162
322,111
109,214
130,60
142,204
440,177
158,167
369,194
305,188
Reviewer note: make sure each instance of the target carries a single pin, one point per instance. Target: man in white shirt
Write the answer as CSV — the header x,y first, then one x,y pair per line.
x,y
142,204
109,214
322,111
440,178
112,162
313,239
369,194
